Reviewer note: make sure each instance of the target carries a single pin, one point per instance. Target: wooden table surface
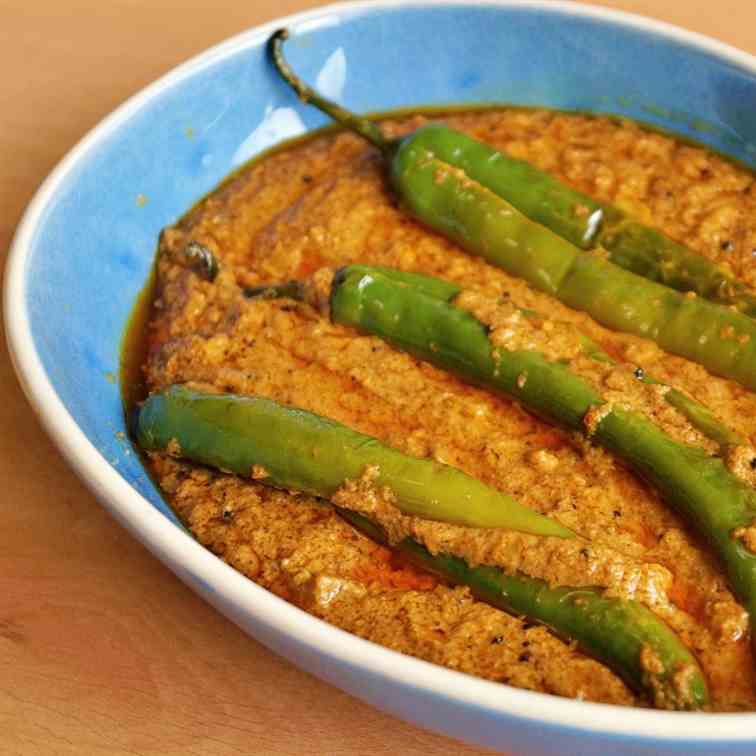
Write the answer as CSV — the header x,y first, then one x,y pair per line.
x,y
102,650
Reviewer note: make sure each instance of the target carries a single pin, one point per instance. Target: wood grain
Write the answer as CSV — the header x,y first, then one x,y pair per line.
x,y
102,651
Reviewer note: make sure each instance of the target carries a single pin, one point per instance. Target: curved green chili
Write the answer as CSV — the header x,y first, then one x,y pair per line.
x,y
617,632
698,415
291,448
445,195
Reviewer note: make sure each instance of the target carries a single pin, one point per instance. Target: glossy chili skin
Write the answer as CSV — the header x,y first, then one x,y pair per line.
x,y
293,449
535,193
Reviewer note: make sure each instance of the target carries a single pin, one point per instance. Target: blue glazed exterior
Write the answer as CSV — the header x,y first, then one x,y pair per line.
x,y
92,242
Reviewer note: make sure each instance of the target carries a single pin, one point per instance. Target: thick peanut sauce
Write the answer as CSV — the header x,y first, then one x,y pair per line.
x,y
323,203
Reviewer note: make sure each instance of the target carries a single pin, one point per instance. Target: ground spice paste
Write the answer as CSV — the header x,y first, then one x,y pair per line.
x,y
324,203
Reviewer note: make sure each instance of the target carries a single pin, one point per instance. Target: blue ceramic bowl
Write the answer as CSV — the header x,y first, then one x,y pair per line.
x,y
85,247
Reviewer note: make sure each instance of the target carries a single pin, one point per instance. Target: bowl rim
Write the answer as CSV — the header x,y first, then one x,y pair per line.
x,y
176,548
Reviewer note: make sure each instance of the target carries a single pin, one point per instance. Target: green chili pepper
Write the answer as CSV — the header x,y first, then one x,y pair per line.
x,y
288,448
291,448
699,416
433,172
616,632
713,499
585,222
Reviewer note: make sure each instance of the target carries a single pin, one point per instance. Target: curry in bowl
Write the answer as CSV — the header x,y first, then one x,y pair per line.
x,y
479,388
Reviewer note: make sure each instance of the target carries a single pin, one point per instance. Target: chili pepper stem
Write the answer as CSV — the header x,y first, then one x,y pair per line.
x,y
289,290
362,126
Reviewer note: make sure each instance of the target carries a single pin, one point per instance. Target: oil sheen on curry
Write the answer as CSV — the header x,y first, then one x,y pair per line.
x,y
402,399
